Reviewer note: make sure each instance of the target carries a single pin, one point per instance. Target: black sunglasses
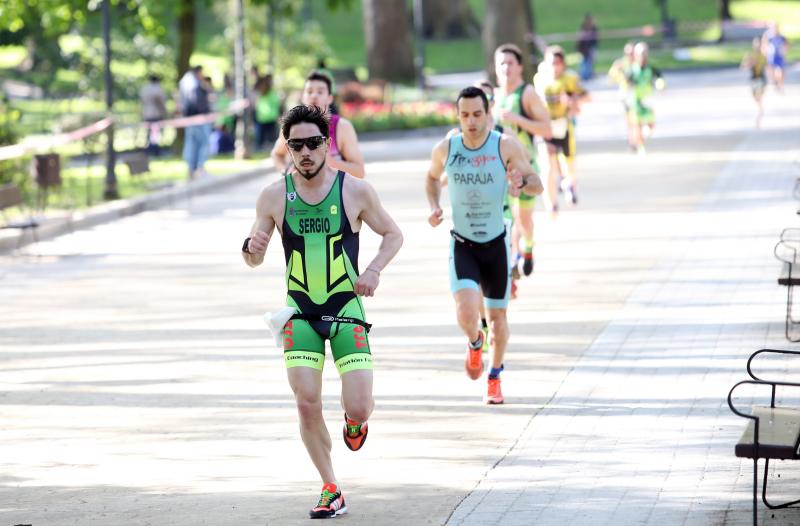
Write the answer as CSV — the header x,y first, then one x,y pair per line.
x,y
312,142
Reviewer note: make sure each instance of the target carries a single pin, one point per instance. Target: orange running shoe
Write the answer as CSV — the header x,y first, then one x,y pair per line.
x,y
331,503
354,434
474,361
494,395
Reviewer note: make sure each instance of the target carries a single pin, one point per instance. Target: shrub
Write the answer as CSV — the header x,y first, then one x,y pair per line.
x,y
374,116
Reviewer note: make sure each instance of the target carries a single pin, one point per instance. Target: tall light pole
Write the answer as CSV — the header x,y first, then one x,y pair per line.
x,y
240,80
419,48
271,34
110,191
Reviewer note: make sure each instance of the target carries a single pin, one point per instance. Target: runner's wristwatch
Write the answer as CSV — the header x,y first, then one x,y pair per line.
x,y
246,246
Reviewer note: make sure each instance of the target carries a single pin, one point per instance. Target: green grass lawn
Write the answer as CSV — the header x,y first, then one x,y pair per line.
x,y
344,33
83,186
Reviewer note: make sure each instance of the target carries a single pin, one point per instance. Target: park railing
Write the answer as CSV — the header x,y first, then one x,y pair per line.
x,y
84,147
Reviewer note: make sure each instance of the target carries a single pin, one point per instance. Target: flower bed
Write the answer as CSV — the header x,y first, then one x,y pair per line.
x,y
375,116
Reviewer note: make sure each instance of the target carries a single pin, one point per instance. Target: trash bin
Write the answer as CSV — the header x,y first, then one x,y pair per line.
x,y
47,170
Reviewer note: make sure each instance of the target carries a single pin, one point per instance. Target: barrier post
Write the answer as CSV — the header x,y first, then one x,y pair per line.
x,y
110,191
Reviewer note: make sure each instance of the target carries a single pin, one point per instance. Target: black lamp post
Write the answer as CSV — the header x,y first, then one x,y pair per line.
x,y
110,191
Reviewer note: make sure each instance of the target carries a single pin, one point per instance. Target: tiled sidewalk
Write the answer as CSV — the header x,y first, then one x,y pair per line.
x,y
640,431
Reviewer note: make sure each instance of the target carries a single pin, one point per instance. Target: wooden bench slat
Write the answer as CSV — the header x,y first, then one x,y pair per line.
x,y
137,164
784,280
779,429
10,196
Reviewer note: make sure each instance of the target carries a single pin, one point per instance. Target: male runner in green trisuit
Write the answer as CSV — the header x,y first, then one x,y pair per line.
x,y
318,212
518,107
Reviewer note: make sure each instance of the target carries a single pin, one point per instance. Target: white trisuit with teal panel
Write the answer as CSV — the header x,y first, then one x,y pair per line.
x,y
476,181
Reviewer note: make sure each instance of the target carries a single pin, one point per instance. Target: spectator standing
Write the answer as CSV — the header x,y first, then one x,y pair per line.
x,y
194,101
221,140
154,109
587,45
267,112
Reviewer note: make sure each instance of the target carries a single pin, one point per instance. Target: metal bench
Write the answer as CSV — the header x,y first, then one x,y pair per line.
x,y
772,433
139,166
733,30
10,196
787,251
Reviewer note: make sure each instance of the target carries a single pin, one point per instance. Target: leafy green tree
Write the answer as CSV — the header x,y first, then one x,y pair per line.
x,y
38,25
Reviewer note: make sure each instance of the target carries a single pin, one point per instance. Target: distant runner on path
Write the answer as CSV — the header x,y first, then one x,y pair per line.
x,y
642,78
755,61
563,94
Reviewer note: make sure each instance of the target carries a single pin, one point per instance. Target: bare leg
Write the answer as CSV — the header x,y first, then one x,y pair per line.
x,y
760,106
498,324
778,74
515,233
638,138
526,226
552,178
467,312
357,398
307,386
568,169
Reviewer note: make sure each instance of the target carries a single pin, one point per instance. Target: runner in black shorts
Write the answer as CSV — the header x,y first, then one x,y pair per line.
x,y
482,167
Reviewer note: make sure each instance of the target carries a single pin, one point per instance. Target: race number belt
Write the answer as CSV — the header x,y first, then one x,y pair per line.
x,y
332,319
476,244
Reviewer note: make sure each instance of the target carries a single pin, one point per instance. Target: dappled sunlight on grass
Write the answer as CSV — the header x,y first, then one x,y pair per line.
x,y
786,12
11,56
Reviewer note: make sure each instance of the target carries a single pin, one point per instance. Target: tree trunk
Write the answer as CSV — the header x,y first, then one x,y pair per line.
x,y
507,22
187,22
725,10
387,33
445,19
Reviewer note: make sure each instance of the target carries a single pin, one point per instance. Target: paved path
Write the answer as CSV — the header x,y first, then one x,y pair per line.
x,y
639,432
138,385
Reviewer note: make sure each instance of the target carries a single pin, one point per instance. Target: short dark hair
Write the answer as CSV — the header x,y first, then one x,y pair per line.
x,y
302,113
556,51
472,92
322,77
484,85
511,48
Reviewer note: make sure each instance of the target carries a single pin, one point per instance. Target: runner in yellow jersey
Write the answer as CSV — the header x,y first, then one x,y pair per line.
x,y
563,93
756,62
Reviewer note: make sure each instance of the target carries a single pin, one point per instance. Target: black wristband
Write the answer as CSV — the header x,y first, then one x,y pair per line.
x,y
246,246
524,183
